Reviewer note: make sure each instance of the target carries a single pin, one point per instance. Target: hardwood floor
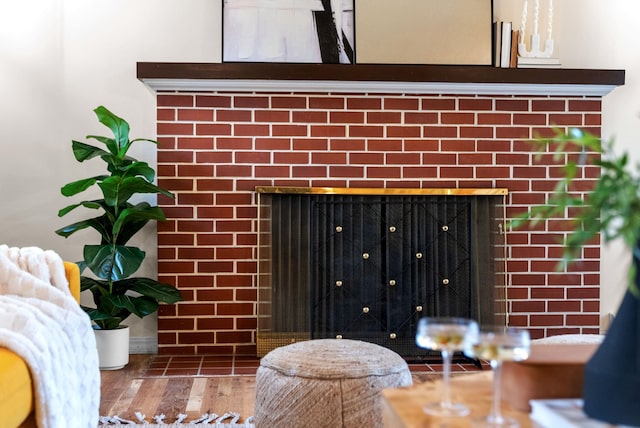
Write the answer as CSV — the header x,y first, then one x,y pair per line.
x,y
195,385
130,390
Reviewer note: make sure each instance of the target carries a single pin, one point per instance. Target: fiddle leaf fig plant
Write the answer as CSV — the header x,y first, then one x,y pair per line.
x,y
611,208
116,293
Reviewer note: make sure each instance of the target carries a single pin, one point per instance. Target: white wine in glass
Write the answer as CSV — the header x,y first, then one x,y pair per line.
x,y
498,344
446,335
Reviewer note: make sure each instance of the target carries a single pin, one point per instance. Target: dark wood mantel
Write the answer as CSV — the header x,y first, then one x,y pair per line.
x,y
378,72
163,76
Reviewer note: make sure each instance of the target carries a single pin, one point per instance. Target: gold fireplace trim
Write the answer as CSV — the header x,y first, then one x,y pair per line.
x,y
379,191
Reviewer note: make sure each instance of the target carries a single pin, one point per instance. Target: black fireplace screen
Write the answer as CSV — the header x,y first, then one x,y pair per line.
x,y
369,267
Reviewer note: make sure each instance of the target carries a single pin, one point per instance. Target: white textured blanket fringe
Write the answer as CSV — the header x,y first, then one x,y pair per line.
x,y
206,420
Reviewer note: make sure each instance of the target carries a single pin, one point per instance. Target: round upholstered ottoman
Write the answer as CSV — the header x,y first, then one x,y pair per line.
x,y
326,383
570,339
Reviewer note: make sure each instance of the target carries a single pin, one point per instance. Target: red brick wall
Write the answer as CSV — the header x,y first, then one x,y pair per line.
x,y
216,147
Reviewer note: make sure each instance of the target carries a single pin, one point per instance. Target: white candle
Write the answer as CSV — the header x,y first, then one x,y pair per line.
x,y
536,15
523,23
550,22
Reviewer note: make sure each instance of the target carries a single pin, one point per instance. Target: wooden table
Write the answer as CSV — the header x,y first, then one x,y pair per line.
x,y
402,407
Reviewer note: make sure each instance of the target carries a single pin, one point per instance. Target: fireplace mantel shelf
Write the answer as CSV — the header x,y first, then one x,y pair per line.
x,y
377,78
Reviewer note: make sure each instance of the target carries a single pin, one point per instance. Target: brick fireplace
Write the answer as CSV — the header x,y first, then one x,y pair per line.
x,y
216,144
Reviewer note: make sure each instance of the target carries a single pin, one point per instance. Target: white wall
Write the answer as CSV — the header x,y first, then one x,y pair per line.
x,y
59,59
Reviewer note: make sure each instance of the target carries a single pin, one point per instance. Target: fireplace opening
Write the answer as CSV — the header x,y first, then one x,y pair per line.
x,y
367,264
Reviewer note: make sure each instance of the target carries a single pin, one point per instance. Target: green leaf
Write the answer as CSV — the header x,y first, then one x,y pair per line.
x,y
78,186
109,324
139,306
140,168
88,283
144,139
112,159
94,223
95,314
115,305
145,306
112,155
118,190
103,320
83,151
113,262
87,204
156,290
118,126
128,230
141,213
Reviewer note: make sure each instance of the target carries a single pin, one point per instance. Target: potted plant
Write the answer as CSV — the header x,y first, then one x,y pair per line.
x,y
116,293
611,209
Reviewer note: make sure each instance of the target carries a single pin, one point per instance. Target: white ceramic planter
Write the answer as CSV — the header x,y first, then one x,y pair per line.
x,y
113,348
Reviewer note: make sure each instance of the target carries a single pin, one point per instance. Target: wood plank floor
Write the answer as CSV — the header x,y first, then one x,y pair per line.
x,y
153,385
129,390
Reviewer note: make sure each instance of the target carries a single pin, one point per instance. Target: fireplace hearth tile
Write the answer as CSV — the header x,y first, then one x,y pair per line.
x,y
216,365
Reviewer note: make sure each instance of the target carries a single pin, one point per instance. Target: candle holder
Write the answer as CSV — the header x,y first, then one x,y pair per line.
x,y
535,51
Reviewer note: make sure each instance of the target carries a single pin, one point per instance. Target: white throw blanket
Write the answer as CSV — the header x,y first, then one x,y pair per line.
x,y
41,322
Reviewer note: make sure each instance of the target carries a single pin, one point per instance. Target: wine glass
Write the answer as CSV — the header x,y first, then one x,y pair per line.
x,y
498,344
445,335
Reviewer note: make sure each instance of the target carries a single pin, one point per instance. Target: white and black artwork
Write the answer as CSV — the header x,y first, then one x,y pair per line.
x,y
312,31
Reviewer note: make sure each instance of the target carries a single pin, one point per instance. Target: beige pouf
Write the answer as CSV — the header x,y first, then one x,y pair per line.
x,y
570,339
326,383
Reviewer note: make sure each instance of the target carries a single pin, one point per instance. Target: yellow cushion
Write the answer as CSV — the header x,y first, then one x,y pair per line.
x,y
16,393
72,272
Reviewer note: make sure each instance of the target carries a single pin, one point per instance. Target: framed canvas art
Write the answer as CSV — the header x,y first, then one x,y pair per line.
x,y
292,31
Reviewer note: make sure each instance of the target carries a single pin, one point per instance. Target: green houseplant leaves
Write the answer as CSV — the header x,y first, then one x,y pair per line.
x,y
116,293
611,208
607,207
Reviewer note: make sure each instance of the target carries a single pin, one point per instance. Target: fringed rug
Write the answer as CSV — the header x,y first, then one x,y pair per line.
x,y
188,425
213,420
